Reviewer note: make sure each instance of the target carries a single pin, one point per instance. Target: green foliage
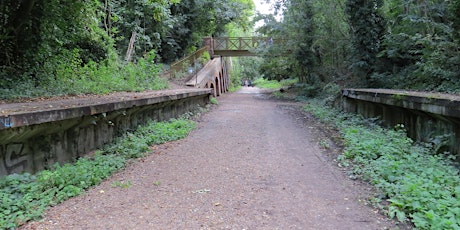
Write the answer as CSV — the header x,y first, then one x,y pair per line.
x,y
135,145
276,68
244,68
214,101
368,28
313,42
55,47
150,21
194,19
205,58
300,21
298,24
121,184
331,45
70,77
273,84
420,52
380,43
163,132
25,197
419,185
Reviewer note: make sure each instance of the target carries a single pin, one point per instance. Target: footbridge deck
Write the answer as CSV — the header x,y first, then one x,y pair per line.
x,y
215,74
236,46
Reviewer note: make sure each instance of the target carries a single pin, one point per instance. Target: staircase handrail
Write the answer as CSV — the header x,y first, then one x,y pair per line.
x,y
182,65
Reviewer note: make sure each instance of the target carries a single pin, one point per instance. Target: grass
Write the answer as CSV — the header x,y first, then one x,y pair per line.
x,y
121,184
418,185
273,84
213,101
234,88
25,197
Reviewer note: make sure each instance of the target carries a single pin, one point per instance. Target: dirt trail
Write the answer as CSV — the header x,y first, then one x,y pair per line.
x,y
250,164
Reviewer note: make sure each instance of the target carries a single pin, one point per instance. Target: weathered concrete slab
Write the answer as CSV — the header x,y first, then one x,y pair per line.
x,y
214,75
206,74
428,117
436,103
24,114
35,135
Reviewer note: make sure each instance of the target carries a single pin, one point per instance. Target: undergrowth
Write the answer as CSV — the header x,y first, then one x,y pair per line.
x,y
71,77
274,84
418,185
25,197
214,101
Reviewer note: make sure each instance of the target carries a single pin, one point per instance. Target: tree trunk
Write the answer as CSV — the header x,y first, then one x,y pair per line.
x,y
130,50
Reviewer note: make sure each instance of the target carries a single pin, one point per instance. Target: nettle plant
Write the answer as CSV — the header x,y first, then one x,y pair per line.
x,y
417,184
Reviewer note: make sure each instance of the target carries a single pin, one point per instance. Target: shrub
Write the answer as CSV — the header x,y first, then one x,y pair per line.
x,y
67,74
274,84
419,185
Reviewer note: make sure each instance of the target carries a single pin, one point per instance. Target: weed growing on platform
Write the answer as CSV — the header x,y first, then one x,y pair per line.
x,y
419,186
25,197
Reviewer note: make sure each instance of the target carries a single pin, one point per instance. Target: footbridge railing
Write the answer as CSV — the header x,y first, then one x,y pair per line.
x,y
236,46
215,74
219,46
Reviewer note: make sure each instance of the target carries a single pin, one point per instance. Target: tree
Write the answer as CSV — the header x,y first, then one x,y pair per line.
x,y
297,33
419,50
52,45
15,21
367,29
331,39
148,20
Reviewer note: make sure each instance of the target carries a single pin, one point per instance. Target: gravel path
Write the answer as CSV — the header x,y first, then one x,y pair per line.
x,y
252,163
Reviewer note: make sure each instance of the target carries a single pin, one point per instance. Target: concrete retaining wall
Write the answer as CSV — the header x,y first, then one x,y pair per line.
x,y
32,141
427,117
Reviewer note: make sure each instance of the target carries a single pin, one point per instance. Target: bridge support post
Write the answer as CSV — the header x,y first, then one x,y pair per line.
x,y
209,44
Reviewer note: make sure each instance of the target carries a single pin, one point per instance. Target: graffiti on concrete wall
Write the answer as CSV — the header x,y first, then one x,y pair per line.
x,y
5,122
13,159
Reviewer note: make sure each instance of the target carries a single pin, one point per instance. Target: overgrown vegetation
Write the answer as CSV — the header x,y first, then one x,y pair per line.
x,y
72,78
52,48
244,69
378,43
25,197
213,101
414,183
274,84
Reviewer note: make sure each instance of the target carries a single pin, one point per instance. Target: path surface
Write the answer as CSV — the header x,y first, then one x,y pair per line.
x,y
250,164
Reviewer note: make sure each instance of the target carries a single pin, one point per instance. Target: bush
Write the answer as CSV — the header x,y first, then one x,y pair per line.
x,y
274,84
419,185
66,74
204,58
